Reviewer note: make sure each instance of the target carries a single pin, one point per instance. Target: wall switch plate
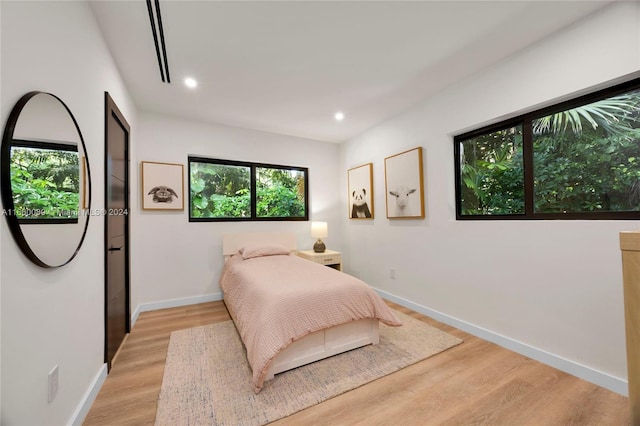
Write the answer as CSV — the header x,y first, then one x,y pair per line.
x,y
392,273
53,384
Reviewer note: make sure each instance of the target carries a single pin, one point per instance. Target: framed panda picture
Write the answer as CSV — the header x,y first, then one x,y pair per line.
x,y
162,186
360,184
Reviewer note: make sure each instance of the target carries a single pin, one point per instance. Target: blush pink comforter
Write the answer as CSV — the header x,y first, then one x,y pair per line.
x,y
275,300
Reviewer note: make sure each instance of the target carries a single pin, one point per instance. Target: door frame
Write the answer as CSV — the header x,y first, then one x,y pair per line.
x,y
112,110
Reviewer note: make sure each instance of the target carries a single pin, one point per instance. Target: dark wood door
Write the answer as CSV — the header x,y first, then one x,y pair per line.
x,y
117,310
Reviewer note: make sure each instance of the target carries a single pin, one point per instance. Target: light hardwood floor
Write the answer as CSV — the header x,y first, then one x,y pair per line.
x,y
475,383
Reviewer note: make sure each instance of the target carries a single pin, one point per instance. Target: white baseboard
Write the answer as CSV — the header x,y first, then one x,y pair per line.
x,y
89,397
584,372
589,374
173,303
87,400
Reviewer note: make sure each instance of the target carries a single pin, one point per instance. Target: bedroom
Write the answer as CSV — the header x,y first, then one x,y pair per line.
x,y
552,316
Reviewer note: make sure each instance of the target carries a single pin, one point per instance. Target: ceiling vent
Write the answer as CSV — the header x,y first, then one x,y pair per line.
x,y
155,19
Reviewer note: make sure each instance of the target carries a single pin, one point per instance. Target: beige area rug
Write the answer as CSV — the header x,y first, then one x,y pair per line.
x,y
207,379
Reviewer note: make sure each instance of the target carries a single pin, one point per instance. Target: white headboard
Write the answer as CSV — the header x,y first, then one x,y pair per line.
x,y
231,243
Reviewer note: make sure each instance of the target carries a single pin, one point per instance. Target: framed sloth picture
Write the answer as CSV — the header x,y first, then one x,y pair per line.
x,y
360,192
162,186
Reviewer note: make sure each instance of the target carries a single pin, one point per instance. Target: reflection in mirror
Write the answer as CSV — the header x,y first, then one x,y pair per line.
x,y
45,182
45,179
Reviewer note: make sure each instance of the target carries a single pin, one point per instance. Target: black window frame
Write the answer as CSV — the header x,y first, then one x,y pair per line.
x,y
526,120
49,146
253,189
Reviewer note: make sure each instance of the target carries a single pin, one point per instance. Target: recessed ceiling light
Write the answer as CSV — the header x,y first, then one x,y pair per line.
x,y
190,82
339,116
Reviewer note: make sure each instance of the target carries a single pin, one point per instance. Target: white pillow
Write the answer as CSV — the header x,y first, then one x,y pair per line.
x,y
257,250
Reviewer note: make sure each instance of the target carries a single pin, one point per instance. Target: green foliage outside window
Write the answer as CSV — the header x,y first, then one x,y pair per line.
x,y
280,193
585,159
222,190
588,158
45,183
493,173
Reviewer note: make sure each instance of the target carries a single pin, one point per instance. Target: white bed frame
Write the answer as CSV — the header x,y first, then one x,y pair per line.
x,y
315,346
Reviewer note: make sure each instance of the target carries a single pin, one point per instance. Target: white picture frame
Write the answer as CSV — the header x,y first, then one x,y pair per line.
x,y
162,186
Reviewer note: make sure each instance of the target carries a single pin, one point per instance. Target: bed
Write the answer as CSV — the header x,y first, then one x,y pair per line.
x,y
290,311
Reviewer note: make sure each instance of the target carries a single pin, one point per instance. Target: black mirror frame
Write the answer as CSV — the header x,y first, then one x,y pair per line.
x,y
5,181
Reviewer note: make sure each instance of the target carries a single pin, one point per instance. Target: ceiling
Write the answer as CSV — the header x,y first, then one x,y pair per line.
x,y
287,66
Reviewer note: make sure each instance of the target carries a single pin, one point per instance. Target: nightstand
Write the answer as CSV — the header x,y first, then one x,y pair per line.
x,y
330,258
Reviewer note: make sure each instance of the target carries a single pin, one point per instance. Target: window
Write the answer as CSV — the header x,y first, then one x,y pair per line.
x,y
280,192
45,181
223,190
493,173
575,160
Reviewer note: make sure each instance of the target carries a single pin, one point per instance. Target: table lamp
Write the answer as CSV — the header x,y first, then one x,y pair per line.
x,y
319,231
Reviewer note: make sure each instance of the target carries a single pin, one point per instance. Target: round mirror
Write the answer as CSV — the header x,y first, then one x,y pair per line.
x,y
45,180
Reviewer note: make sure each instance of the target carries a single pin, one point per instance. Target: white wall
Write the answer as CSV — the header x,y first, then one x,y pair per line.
x,y
173,258
555,286
55,317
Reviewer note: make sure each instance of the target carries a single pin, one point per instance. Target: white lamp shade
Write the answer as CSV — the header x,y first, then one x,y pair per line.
x,y
319,229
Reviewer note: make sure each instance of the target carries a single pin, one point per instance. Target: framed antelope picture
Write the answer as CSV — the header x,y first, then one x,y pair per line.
x,y
403,179
360,198
162,186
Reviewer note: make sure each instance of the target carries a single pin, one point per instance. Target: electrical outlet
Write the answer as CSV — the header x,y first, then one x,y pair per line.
x,y
392,273
53,384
